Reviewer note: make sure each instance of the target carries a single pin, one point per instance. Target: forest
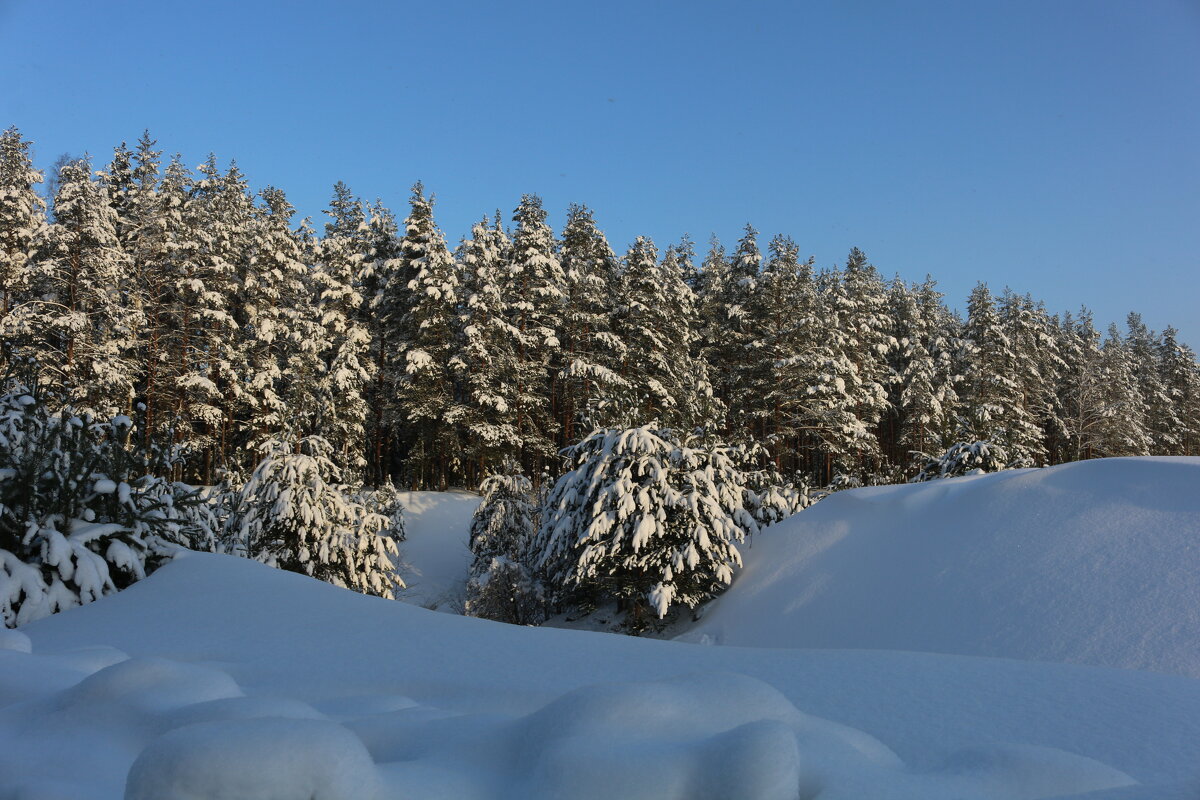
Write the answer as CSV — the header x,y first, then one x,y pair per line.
x,y
210,333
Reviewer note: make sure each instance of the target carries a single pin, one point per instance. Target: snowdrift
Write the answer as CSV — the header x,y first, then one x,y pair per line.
x,y
219,677
1096,562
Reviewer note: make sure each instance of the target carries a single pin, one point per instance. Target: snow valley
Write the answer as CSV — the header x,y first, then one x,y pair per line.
x,y
1028,634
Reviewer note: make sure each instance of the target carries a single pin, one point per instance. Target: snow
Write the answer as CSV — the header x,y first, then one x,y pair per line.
x,y
434,555
219,677
1095,562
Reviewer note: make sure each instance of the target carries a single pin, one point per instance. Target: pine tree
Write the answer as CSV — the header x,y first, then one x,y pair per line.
x,y
426,393
83,512
664,386
22,216
501,585
535,285
341,409
645,519
486,362
591,356
293,514
85,324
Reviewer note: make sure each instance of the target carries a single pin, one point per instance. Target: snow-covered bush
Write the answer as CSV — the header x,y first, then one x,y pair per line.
x,y
292,513
501,585
645,519
964,458
82,512
384,500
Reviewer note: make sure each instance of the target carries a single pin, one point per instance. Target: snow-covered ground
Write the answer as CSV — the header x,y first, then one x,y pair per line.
x,y
434,555
1096,562
222,678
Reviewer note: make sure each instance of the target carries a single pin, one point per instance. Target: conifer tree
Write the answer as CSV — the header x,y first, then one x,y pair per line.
x,y
501,585
591,355
85,325
535,285
645,519
426,396
22,217
486,362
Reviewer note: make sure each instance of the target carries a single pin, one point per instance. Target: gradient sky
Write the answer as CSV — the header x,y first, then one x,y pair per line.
x,y
1050,146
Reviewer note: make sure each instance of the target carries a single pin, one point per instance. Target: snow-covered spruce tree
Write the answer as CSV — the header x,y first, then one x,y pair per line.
x,y
644,519
485,364
663,385
22,216
501,585
82,511
341,411
425,392
964,458
292,513
535,291
384,500
591,352
83,325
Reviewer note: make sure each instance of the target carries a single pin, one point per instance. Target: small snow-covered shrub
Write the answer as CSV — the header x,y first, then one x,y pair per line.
x,y
964,458
82,511
384,500
645,519
501,585
771,498
293,514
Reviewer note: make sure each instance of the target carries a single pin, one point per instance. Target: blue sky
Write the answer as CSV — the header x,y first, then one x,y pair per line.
x,y
1050,146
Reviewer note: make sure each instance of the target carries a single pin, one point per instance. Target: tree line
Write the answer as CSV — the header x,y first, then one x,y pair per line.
x,y
182,299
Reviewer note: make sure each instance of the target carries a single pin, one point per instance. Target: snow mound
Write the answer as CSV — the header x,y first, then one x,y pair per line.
x,y
1096,562
255,759
244,681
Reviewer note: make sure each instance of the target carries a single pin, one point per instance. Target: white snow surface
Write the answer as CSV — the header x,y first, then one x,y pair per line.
x,y
435,555
1095,562
219,677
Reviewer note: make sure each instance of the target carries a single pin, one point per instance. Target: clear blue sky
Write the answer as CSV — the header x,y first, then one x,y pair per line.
x,y
1047,145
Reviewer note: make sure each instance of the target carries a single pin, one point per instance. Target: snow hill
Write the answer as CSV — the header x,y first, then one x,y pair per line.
x,y
1095,562
221,678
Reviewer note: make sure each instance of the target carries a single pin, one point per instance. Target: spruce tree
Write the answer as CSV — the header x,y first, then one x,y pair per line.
x,y
535,285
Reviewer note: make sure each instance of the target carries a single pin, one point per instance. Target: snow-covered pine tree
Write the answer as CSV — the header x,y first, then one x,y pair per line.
x,y
82,511
964,458
293,513
486,362
992,408
273,312
501,585
22,216
428,339
535,287
1124,426
1181,381
924,389
1163,422
591,353
664,387
778,310
727,287
69,318
341,409
1034,364
377,272
645,519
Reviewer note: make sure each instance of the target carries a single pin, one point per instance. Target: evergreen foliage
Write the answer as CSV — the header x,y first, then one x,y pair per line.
x,y
501,585
646,519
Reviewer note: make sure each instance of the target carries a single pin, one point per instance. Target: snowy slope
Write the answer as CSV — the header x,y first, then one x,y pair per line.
x,y
1096,562
219,677
434,555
